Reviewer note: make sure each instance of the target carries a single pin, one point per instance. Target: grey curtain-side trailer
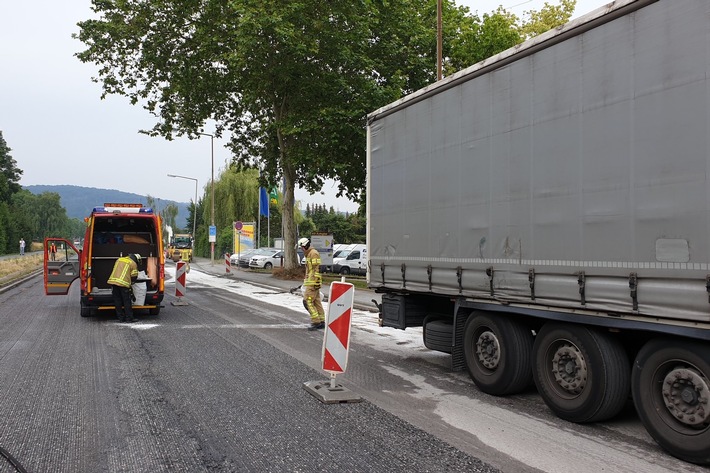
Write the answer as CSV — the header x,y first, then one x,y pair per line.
x,y
545,216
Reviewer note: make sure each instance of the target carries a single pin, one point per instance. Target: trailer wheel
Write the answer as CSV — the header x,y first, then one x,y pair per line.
x,y
670,384
498,353
437,334
582,375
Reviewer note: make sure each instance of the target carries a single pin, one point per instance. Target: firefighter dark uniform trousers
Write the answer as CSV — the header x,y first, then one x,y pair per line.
x,y
125,270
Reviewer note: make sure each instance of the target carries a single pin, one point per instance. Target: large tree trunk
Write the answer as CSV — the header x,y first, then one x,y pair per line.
x,y
287,211
291,258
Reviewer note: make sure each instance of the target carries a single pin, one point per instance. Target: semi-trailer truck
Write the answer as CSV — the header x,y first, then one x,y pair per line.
x,y
544,215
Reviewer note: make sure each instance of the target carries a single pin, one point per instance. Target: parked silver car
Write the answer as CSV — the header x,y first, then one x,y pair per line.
x,y
266,258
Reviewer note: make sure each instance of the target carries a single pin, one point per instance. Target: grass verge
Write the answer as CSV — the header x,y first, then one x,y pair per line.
x,y
17,267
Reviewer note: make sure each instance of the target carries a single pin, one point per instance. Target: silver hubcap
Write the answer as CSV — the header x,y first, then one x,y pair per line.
x,y
488,350
569,368
686,393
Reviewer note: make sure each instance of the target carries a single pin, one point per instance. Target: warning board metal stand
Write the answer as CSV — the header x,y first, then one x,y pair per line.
x,y
328,392
336,343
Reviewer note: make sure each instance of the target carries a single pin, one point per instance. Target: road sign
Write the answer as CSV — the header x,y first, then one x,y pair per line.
x,y
213,234
336,342
238,225
180,270
337,329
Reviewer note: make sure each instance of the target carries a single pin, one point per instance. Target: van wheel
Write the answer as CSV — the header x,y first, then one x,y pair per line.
x,y
85,311
344,271
498,352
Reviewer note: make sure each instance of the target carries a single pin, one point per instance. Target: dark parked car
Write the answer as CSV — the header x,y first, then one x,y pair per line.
x,y
242,259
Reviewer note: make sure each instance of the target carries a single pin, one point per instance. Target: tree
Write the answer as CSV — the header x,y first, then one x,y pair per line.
x,y
549,17
9,172
50,214
292,81
473,38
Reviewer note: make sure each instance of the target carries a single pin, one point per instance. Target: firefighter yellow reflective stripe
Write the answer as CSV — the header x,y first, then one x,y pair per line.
x,y
123,271
313,276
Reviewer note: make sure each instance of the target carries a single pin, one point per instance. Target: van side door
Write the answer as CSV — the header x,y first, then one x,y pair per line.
x,y
61,266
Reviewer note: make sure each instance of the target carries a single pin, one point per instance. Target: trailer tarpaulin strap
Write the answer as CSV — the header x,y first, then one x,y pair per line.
x,y
337,335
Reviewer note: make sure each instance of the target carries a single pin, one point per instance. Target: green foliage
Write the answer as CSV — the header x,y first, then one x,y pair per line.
x,y
549,17
9,172
237,196
480,37
292,82
345,228
5,227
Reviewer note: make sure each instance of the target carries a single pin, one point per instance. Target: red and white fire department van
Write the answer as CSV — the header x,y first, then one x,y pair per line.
x,y
112,231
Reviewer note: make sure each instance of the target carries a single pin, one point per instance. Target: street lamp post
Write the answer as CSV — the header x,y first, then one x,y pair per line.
x,y
212,192
194,214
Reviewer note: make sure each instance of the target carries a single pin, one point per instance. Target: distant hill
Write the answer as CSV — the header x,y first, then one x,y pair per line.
x,y
78,201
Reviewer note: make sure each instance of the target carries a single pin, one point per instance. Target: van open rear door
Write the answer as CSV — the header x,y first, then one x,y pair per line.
x,y
61,266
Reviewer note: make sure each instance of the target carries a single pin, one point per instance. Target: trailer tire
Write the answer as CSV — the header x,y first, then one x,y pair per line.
x,y
437,334
498,352
582,374
669,383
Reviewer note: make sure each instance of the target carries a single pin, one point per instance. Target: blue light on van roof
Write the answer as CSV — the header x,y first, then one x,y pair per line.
x,y
122,208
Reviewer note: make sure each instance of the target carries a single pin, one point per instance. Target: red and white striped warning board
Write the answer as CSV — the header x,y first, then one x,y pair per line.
x,y
180,279
227,263
337,330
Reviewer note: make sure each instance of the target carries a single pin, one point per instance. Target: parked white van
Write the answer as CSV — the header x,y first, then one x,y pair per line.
x,y
355,261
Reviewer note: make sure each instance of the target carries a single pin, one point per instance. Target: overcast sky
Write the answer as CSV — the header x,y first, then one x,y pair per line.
x,y
60,132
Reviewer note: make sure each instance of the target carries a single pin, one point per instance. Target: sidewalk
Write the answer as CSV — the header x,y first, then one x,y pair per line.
x,y
363,297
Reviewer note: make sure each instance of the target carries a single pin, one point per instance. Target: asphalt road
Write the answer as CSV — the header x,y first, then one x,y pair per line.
x,y
217,385
193,389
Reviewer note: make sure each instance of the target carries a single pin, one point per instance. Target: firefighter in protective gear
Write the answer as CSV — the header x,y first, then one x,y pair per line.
x,y
124,273
312,284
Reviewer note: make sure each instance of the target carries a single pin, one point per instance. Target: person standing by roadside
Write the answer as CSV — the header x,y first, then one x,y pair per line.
x,y
22,247
124,273
312,284
53,251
